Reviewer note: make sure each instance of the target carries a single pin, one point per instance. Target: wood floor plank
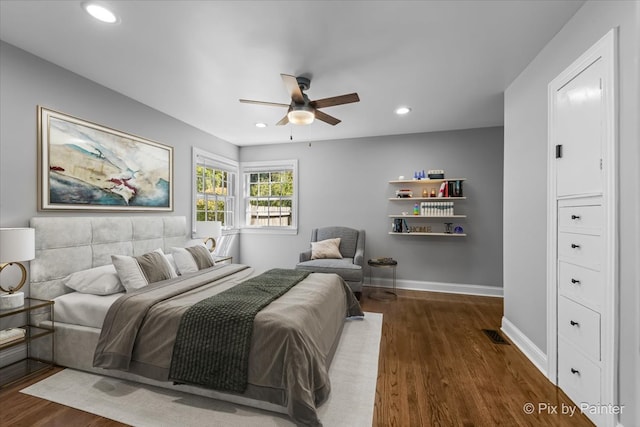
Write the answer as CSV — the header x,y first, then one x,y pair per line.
x,y
436,368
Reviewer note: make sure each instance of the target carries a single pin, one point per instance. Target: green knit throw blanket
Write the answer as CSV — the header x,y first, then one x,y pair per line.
x,y
214,337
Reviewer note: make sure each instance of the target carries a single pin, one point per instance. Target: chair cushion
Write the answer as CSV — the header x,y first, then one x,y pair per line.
x,y
344,268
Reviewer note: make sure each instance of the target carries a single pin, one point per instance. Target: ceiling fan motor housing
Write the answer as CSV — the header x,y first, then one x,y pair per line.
x,y
303,83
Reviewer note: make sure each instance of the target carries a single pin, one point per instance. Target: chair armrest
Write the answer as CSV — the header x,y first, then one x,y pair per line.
x,y
359,257
305,256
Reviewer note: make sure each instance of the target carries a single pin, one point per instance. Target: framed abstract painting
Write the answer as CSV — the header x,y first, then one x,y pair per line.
x,y
86,166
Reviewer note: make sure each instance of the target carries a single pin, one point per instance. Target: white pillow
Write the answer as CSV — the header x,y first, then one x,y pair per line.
x,y
138,272
192,258
172,262
102,280
329,248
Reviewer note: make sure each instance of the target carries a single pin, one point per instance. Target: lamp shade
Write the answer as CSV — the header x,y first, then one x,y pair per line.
x,y
17,244
206,229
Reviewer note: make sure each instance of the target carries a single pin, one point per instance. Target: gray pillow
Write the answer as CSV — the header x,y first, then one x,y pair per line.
x,y
138,272
192,258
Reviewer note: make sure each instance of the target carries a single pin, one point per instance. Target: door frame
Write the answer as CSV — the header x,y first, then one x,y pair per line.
x,y
606,50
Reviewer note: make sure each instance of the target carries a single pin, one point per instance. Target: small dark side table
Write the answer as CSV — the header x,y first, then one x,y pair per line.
x,y
384,294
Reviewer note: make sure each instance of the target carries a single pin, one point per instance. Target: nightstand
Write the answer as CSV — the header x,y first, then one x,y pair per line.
x,y
28,365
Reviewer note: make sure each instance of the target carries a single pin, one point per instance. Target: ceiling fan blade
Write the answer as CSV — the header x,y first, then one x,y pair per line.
x,y
327,118
291,83
270,104
335,100
283,121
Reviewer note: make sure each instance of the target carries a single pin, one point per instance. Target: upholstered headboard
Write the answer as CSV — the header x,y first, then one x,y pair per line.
x,y
68,244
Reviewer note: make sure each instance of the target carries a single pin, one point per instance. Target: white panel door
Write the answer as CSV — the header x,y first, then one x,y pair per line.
x,y
579,130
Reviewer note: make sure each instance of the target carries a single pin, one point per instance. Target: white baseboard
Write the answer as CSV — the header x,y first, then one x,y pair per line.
x,y
526,346
450,288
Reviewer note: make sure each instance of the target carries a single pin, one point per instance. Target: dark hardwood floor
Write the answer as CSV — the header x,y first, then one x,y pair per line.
x,y
437,368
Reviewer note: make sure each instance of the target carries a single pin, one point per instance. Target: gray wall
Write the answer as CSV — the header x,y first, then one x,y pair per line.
x,y
525,197
346,182
27,81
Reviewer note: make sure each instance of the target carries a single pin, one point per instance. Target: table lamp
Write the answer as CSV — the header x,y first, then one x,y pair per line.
x,y
16,244
210,231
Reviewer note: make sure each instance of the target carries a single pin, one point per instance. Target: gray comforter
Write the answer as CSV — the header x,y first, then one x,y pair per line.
x,y
294,337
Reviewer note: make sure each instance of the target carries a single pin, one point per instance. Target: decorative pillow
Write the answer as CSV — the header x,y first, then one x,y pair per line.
x,y
102,280
138,272
329,248
172,262
192,258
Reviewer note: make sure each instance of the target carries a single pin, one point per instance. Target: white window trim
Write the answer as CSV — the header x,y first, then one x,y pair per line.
x,y
226,163
248,167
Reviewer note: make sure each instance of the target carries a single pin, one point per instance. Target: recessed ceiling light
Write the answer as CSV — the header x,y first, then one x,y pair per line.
x,y
261,125
403,110
101,13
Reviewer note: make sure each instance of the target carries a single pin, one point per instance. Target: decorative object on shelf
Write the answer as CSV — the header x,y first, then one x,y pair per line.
x,y
210,231
433,192
85,166
16,245
418,175
448,227
404,193
435,174
458,230
416,209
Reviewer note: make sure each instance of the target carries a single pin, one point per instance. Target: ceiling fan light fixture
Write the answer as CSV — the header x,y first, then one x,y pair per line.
x,y
302,115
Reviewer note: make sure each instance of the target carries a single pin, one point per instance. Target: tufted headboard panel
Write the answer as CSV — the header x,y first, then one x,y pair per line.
x,y
68,244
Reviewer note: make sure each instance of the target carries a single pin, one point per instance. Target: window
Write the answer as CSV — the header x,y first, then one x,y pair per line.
x,y
214,188
270,195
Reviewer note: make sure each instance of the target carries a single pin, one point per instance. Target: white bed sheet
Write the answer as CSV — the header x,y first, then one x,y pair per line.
x,y
83,309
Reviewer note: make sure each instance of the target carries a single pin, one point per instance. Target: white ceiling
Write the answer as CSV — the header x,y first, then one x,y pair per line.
x,y
450,61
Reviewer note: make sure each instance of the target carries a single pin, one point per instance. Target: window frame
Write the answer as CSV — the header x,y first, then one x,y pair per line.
x,y
214,161
248,168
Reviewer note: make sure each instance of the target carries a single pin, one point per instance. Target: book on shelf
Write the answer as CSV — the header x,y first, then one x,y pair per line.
x,y
436,209
12,334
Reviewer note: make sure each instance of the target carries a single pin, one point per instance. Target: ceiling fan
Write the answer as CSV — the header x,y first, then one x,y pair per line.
x,y
302,111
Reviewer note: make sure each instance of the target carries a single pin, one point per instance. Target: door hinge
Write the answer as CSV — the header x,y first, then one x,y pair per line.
x,y
558,151
600,164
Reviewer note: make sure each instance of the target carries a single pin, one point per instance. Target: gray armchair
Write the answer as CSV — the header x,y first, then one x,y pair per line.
x,y
350,267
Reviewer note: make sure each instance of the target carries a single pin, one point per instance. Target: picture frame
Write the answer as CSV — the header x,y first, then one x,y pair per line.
x,y
87,166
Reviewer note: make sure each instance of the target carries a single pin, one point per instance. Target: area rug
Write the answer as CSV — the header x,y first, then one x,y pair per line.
x,y
353,374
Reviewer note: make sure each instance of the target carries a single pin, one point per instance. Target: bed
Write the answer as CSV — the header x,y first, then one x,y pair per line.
x,y
292,338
